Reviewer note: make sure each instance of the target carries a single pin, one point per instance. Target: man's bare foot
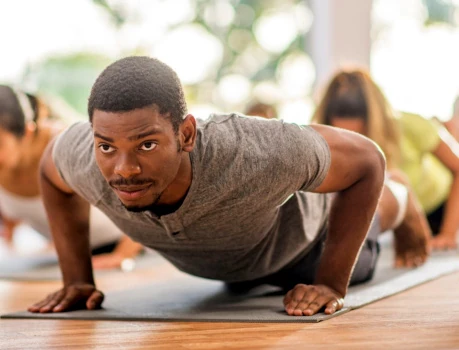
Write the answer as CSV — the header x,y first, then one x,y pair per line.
x,y
412,236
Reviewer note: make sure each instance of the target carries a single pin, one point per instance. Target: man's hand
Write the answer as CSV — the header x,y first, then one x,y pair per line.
x,y
77,296
307,300
443,242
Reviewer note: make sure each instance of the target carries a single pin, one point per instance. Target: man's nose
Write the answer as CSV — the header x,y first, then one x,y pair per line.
x,y
127,166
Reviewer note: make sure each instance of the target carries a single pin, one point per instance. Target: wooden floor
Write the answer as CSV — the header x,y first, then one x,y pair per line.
x,y
425,317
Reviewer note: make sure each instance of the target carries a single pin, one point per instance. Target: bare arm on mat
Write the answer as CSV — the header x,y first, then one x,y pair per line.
x,y
356,173
125,249
447,152
68,215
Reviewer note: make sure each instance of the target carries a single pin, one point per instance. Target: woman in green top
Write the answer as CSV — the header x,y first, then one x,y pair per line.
x,y
421,148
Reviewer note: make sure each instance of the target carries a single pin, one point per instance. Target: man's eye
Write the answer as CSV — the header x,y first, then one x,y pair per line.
x,y
148,146
106,148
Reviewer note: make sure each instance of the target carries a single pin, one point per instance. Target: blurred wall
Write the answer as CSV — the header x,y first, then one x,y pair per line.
x,y
340,35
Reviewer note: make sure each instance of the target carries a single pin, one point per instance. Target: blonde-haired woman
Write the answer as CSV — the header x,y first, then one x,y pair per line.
x,y
420,148
26,128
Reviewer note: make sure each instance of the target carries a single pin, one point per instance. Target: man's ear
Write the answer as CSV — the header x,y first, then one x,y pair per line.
x,y
188,133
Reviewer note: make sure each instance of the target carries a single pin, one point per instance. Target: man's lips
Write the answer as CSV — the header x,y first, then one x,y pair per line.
x,y
132,192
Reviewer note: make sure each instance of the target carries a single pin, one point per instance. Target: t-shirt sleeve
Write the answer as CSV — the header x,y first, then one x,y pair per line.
x,y
299,155
309,157
74,160
423,133
255,158
61,152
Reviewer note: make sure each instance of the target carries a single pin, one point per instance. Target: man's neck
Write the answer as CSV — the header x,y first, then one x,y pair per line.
x,y
176,192
161,210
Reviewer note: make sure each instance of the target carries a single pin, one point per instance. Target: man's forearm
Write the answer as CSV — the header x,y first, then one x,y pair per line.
x,y
68,216
350,218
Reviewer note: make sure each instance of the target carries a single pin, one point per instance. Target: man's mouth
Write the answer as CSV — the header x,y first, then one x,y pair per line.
x,y
130,193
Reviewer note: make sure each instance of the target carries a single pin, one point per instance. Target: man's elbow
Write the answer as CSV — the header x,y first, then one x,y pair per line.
x,y
375,162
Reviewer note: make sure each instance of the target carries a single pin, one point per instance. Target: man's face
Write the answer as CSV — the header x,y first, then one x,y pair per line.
x,y
138,153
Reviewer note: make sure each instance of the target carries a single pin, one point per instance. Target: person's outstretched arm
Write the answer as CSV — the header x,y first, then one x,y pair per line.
x,y
125,249
8,228
356,173
447,152
68,216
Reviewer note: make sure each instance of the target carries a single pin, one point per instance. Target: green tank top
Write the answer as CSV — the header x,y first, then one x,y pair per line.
x,y
430,179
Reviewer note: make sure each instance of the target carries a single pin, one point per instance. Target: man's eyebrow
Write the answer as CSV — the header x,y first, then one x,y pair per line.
x,y
106,138
131,138
145,134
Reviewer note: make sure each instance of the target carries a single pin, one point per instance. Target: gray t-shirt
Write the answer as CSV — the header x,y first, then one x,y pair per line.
x,y
246,214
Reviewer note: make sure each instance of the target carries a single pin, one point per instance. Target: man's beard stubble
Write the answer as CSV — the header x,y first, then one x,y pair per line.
x,y
139,209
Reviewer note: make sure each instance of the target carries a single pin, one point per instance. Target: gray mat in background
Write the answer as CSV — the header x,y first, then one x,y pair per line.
x,y
46,268
188,298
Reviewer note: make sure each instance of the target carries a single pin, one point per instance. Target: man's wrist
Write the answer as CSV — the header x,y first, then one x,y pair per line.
x,y
337,286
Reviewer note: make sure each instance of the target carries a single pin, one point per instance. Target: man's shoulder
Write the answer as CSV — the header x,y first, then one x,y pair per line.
x,y
73,157
235,118
236,126
256,134
74,134
74,145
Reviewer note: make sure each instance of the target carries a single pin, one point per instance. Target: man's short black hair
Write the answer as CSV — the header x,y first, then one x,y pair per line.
x,y
138,82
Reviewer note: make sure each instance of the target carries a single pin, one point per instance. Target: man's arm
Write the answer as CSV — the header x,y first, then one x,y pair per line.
x,y
68,216
356,173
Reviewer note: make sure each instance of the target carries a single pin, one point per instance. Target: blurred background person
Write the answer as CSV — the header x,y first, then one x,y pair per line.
x,y
452,125
26,128
421,149
259,109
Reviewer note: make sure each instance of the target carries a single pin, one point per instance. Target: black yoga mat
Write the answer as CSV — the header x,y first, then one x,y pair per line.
x,y
187,298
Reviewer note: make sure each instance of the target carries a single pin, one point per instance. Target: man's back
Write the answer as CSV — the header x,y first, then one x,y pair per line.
x,y
242,217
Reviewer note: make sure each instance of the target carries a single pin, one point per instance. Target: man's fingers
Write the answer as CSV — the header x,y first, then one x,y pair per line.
x,y
292,298
38,306
313,307
287,297
307,300
300,307
95,300
292,306
334,306
300,295
71,297
50,305
300,291
78,295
